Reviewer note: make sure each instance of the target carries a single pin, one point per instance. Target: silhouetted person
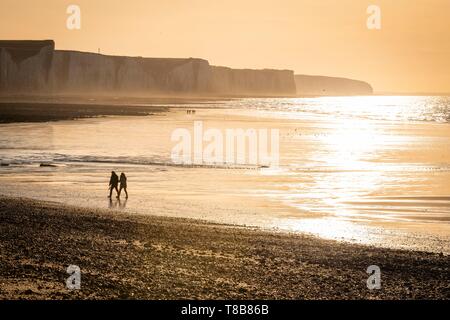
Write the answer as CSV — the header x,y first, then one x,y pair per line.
x,y
113,183
123,185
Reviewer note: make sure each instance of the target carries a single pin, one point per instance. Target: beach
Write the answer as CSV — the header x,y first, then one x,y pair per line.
x,y
354,187
223,150
13,112
129,256
376,175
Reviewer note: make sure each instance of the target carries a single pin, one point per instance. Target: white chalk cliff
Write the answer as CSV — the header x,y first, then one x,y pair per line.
x,y
34,66
29,67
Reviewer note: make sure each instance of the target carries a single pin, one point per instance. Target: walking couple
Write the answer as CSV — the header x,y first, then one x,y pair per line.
x,y
114,182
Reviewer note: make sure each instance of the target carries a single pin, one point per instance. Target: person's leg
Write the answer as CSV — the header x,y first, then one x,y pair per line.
x,y
110,191
126,192
117,190
120,191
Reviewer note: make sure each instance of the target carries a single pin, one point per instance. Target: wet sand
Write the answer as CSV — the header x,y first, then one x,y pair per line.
x,y
130,256
17,109
12,112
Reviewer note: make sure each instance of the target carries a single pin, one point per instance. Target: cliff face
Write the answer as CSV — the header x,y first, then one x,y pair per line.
x,y
25,65
34,66
327,86
252,82
88,72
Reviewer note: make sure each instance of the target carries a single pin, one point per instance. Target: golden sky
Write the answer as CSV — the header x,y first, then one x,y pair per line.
x,y
410,53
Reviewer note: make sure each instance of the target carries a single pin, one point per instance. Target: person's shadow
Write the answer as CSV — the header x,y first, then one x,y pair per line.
x,y
117,204
122,204
112,203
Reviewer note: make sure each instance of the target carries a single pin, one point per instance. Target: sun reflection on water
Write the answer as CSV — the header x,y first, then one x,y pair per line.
x,y
346,164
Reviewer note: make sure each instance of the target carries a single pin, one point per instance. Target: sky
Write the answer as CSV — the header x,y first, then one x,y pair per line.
x,y
410,53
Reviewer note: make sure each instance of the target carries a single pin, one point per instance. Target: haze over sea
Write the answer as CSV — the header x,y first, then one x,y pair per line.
x,y
371,170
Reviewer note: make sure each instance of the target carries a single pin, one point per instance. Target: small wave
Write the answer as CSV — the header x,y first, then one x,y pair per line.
x,y
50,159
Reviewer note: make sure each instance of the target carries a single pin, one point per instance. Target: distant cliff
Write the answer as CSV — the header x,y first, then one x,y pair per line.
x,y
28,67
328,86
89,72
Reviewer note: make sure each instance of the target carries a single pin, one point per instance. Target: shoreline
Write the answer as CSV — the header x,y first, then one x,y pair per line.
x,y
24,112
128,256
381,215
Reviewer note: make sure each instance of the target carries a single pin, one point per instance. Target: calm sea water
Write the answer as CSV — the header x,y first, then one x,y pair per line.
x,y
78,141
392,108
